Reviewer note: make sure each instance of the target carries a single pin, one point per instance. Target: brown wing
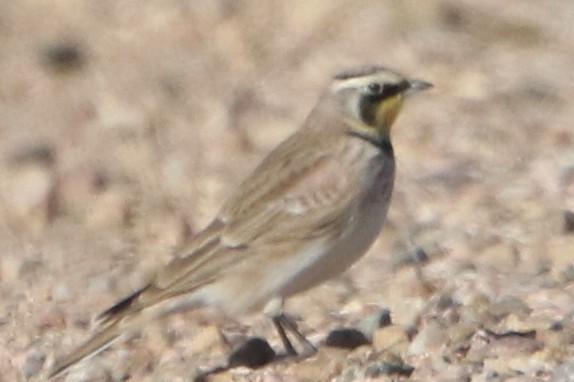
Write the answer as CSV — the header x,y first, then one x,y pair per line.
x,y
297,193
268,216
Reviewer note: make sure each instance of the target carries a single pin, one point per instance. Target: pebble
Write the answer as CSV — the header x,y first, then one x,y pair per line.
x,y
325,365
100,284
429,338
205,340
517,324
568,217
476,310
90,371
64,57
33,364
508,305
30,196
499,256
392,338
485,344
60,292
108,209
51,318
379,368
10,268
42,154
564,372
559,253
374,321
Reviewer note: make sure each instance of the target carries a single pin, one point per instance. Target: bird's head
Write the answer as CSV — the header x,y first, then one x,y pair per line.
x,y
371,98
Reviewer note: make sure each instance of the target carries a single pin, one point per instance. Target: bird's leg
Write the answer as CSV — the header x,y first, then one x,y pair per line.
x,y
291,326
278,323
285,325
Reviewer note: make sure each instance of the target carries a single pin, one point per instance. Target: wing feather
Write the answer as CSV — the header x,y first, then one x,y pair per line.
x,y
295,195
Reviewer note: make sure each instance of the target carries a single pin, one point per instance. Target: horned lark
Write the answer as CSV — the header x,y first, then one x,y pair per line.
x,y
311,209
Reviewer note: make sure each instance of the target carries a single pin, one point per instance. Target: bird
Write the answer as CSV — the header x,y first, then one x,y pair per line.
x,y
311,208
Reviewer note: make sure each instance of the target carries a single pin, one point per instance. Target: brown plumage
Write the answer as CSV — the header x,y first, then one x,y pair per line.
x,y
310,209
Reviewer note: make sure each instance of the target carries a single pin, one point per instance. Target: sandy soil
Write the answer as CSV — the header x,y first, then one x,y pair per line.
x,y
125,124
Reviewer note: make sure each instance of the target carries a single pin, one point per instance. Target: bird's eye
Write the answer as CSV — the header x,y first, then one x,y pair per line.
x,y
375,88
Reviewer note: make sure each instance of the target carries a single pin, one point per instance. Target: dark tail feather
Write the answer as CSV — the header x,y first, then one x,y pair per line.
x,y
120,308
111,323
93,346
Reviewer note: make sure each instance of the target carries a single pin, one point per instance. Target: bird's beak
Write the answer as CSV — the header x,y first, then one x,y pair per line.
x,y
416,86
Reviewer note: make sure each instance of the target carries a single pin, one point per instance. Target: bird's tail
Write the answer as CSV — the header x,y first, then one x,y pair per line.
x,y
122,319
113,324
99,342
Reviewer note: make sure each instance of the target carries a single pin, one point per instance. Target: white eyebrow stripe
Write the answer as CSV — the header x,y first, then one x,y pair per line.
x,y
352,83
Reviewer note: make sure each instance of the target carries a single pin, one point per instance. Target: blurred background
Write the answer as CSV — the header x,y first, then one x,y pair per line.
x,y
125,124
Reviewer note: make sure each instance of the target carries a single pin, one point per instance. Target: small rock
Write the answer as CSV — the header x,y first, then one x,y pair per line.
x,y
559,300
52,318
498,256
461,332
486,344
61,292
509,305
408,310
556,326
255,353
206,339
515,365
496,367
33,364
30,269
564,372
31,196
559,254
392,339
374,321
346,338
517,324
568,221
90,371
430,338
566,275
379,368
475,311
40,154
417,256
64,57
349,374
100,284
324,366
10,268
109,208
445,301
131,363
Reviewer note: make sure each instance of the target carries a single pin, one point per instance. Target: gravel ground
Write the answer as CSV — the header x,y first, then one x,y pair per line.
x,y
125,124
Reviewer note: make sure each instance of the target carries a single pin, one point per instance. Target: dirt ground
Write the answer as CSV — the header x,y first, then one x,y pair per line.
x,y
125,124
